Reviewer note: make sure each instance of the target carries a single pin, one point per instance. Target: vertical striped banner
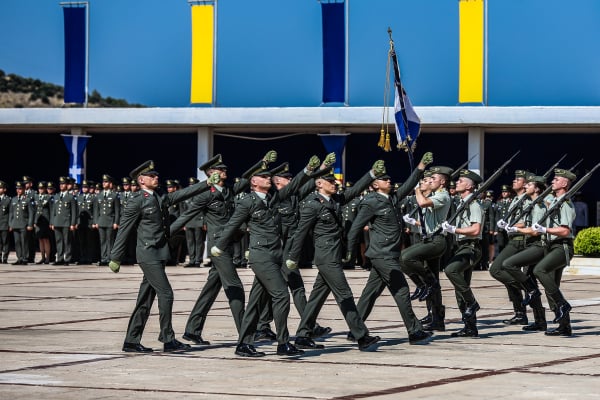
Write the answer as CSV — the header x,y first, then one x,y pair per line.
x,y
75,54
202,82
471,48
334,52
76,147
335,144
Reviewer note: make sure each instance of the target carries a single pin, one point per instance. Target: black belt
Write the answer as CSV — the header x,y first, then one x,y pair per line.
x,y
468,241
517,237
561,241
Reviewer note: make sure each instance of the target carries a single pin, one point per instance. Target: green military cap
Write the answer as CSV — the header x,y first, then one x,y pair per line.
x,y
170,183
2,184
427,174
98,186
75,185
176,182
216,162
441,170
107,178
145,168
506,188
466,173
536,179
41,184
192,180
282,170
489,193
26,179
63,180
452,183
125,181
384,177
565,173
85,183
521,173
329,177
19,185
397,185
260,168
134,182
349,184
50,185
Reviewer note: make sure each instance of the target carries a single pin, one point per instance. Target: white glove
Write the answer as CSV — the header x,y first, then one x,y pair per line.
x,y
538,228
215,251
501,224
409,220
448,228
511,229
291,264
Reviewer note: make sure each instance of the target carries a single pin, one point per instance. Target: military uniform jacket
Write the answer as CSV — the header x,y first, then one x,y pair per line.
x,y
382,213
470,215
148,214
289,209
324,217
502,206
264,222
4,212
563,216
85,206
217,206
123,199
107,209
41,203
64,210
21,213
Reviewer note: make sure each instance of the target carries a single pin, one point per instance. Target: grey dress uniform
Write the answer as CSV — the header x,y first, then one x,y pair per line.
x,y
147,214
85,208
323,217
63,218
4,216
21,220
107,212
265,257
382,213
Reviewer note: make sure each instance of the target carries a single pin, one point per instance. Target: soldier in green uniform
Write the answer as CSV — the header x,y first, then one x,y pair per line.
x,y
85,208
63,222
379,210
124,196
423,259
459,270
321,213
349,211
107,213
41,222
20,221
502,206
4,215
516,243
195,232
30,192
147,212
259,210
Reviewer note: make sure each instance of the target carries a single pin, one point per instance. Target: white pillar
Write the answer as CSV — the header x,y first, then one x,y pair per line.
x,y
204,145
475,146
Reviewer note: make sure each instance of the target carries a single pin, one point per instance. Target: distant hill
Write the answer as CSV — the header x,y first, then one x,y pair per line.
x,y
19,92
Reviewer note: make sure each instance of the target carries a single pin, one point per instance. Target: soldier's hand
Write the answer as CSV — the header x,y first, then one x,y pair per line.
x,y
215,251
270,157
448,228
313,163
511,229
427,158
214,178
407,218
329,160
114,266
291,264
378,168
501,224
347,257
539,228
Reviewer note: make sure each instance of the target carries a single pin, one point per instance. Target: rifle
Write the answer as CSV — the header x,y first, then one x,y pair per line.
x,y
457,170
540,197
481,189
519,202
574,189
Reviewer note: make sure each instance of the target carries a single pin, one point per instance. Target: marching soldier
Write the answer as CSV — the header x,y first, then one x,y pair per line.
x,y
41,221
107,212
20,221
63,222
4,217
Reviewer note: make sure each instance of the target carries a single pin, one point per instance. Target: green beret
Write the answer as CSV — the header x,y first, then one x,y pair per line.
x,y
565,174
465,173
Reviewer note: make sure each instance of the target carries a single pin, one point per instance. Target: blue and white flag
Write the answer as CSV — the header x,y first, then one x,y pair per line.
x,y
76,146
408,123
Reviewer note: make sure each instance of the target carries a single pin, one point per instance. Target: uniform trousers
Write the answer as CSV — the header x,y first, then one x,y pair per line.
x,y
459,271
514,289
20,243
331,279
530,256
107,238
155,283
195,238
4,245
549,270
63,236
430,251
386,272
222,274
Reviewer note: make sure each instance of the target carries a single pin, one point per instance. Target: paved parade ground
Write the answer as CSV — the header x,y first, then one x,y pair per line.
x,y
62,328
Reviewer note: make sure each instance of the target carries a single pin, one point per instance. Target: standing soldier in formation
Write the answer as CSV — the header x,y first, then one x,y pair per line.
x,y
468,230
4,216
487,237
20,221
380,210
195,234
107,212
85,207
502,206
63,222
515,244
124,196
30,192
41,221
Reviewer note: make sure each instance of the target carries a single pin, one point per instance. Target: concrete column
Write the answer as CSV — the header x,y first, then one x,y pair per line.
x,y
475,146
204,147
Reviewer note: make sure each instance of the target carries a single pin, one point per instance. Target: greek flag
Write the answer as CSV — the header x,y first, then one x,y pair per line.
x,y
76,146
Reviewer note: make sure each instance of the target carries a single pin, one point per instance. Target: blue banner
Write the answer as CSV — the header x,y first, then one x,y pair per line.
x,y
75,57
76,146
335,144
334,53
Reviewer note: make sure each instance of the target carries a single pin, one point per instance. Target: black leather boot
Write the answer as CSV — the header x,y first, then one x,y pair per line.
x,y
564,327
539,324
531,291
520,318
438,313
561,311
427,318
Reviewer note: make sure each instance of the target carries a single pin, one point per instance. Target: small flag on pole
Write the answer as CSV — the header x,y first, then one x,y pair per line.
x,y
76,146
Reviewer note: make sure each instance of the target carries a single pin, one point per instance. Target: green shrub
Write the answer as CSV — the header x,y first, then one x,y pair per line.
x,y
587,242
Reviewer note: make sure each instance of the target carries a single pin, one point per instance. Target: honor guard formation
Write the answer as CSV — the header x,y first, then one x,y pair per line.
x,y
276,222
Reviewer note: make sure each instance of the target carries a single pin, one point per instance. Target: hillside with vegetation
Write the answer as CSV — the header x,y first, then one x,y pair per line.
x,y
19,92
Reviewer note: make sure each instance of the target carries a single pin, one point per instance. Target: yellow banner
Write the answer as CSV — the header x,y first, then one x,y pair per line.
x,y
202,53
471,57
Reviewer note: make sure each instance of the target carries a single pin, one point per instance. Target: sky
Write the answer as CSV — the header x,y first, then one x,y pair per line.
x,y
269,52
